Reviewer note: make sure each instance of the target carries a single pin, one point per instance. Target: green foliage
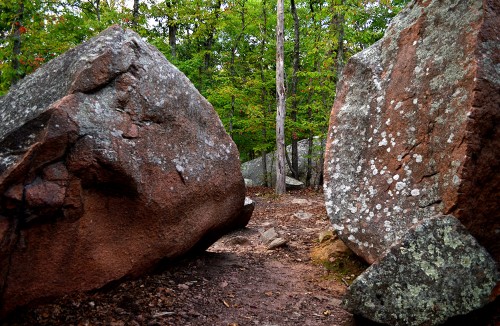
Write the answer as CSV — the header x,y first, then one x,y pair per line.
x,y
225,47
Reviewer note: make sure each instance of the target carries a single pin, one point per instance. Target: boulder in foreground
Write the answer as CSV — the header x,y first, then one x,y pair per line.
x,y
415,128
110,161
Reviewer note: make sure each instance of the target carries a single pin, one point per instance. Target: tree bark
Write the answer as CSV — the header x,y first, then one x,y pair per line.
x,y
232,68
98,9
16,50
295,81
340,40
263,96
172,30
281,108
135,13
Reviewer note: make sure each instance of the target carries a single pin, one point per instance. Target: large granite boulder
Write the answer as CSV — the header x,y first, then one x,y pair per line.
x,y
110,161
438,270
415,133
415,128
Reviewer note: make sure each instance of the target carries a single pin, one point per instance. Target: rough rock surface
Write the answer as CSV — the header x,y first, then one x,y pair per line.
x,y
436,272
252,170
110,161
415,128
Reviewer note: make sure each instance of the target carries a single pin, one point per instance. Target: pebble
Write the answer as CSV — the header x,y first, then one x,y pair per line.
x,y
278,242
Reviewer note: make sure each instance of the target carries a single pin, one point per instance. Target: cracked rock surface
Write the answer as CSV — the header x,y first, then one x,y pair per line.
x,y
110,161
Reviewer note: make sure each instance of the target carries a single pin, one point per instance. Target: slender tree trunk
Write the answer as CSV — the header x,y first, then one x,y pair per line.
x,y
16,50
340,40
172,39
309,113
172,29
295,81
310,145
263,95
211,38
281,109
98,9
135,13
232,68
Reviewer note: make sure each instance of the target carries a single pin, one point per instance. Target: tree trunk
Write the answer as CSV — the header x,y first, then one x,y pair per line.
x,y
16,50
98,9
309,151
135,13
263,96
172,39
281,109
295,81
172,29
232,68
340,39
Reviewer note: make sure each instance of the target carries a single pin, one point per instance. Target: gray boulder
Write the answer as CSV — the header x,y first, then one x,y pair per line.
x,y
252,170
437,271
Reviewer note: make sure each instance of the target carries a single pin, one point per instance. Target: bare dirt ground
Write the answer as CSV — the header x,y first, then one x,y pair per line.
x,y
237,281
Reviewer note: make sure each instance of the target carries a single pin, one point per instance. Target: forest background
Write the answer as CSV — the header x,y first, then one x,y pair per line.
x,y
226,48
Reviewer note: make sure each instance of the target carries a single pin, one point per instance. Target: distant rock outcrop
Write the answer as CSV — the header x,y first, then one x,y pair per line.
x,y
415,131
110,161
252,170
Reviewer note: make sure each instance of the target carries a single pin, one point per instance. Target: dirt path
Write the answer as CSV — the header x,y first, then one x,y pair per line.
x,y
238,281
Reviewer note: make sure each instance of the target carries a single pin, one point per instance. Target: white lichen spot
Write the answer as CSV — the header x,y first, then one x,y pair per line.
x,y
179,168
338,227
352,229
396,177
415,192
450,139
418,158
378,206
465,261
375,171
383,142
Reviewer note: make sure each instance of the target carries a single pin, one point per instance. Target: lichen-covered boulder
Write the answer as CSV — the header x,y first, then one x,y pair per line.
x,y
110,161
437,271
415,128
